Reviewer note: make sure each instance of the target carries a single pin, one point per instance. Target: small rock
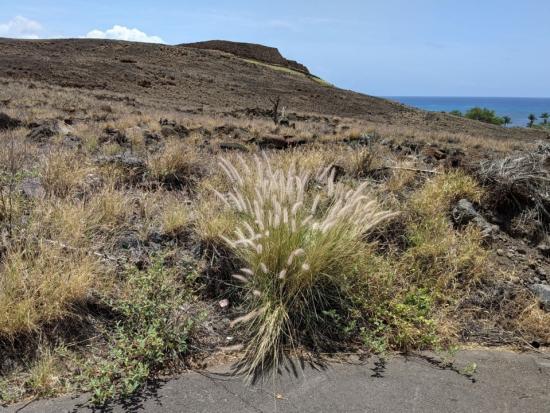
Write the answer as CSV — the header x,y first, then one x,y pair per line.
x,y
167,122
156,237
172,128
151,138
464,213
128,240
500,252
72,141
7,122
124,160
544,249
272,142
233,146
135,168
43,132
145,83
542,292
178,131
32,188
114,136
361,140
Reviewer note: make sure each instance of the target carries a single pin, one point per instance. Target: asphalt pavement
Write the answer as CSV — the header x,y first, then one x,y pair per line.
x,y
500,381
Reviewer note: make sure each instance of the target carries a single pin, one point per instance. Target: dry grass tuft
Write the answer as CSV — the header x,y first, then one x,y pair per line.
x,y
63,173
176,217
41,284
178,165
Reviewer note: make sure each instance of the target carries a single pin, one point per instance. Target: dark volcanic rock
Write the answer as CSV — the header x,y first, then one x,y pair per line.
x,y
125,160
250,51
7,122
172,128
229,131
272,142
72,141
32,188
135,168
113,135
361,140
279,142
233,146
542,291
151,138
544,248
128,240
464,213
43,132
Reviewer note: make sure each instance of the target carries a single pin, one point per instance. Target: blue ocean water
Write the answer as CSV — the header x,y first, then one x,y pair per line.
x,y
517,108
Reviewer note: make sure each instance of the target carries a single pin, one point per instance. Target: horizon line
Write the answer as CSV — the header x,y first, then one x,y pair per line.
x,y
463,97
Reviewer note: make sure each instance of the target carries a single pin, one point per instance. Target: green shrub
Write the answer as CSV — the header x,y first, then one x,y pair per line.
x,y
411,291
152,332
484,115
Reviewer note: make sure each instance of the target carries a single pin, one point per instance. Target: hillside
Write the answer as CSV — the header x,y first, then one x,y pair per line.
x,y
189,79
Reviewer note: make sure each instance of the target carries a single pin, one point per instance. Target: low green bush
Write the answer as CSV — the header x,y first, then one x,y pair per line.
x,y
484,115
152,332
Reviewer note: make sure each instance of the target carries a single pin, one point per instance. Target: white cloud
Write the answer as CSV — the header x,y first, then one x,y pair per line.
x,y
123,33
21,27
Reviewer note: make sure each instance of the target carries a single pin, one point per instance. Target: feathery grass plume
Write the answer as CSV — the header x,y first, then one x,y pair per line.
x,y
303,246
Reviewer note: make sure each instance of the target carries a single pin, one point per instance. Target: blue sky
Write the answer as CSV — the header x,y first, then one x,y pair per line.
x,y
385,48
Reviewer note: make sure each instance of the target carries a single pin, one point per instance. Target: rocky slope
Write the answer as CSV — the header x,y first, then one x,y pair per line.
x,y
187,78
253,51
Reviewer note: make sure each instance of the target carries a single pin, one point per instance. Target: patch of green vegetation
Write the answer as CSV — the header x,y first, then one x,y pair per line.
x,y
152,333
543,124
289,71
484,115
404,322
8,392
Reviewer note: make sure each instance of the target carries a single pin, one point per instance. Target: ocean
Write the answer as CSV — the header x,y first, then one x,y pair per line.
x,y
517,108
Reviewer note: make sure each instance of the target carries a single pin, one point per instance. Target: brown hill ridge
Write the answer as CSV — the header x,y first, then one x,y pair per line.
x,y
190,78
253,51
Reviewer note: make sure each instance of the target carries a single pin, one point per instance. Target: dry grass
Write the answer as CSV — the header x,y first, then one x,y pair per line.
x,y
42,284
178,165
45,375
534,322
64,173
176,217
